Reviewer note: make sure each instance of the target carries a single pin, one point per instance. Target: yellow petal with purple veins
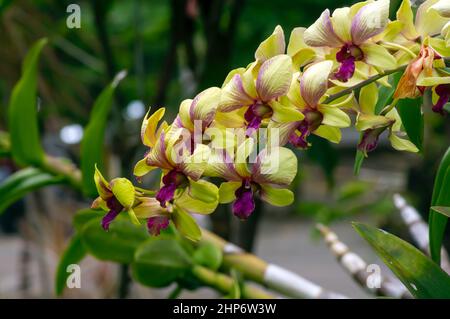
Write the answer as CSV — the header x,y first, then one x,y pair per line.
x,y
148,207
272,46
184,114
321,33
102,185
123,191
296,41
330,133
204,106
276,196
369,21
274,77
378,56
342,21
314,82
234,95
275,166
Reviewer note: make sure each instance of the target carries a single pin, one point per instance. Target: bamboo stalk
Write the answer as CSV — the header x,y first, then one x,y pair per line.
x,y
225,283
272,276
418,229
358,268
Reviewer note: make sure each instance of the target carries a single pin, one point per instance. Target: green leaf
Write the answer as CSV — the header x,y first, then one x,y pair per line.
x,y
410,111
92,145
441,210
118,244
208,255
22,114
158,263
386,94
422,277
359,158
82,217
73,254
22,182
441,197
186,225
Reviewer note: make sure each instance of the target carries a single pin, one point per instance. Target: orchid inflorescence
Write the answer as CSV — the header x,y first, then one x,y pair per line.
x,y
238,133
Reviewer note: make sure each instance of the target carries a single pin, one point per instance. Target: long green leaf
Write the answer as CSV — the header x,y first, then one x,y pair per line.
x,y
22,182
410,111
22,114
158,263
92,145
422,277
118,244
441,197
441,210
73,254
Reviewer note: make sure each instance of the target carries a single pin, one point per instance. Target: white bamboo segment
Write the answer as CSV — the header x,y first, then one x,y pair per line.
x,y
418,229
359,269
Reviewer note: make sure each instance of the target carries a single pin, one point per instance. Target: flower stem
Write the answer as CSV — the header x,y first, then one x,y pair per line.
x,y
363,83
225,283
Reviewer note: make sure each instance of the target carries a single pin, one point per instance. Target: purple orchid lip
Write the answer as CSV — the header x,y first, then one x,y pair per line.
x,y
347,56
156,224
443,91
313,119
369,140
114,209
254,116
171,181
244,205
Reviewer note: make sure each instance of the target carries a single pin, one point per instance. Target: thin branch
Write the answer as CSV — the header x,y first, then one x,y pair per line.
x,y
374,78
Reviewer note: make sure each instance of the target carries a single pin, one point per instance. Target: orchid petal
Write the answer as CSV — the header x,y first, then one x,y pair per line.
x,y
148,128
102,185
194,165
142,168
314,82
186,225
406,17
401,144
204,106
429,22
277,166
369,21
330,133
369,121
274,77
321,33
242,153
234,95
342,20
123,191
368,98
442,7
227,190
133,217
196,206
220,164
285,114
204,191
378,56
334,116
184,115
272,46
148,207
276,196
